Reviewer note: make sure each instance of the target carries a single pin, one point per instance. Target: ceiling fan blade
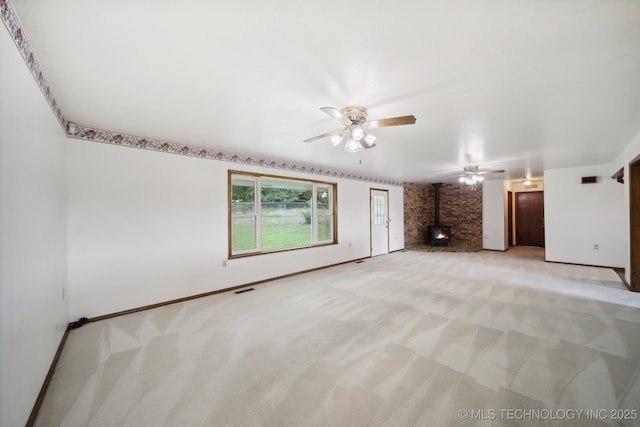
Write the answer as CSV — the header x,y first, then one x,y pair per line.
x,y
394,121
324,135
489,172
336,114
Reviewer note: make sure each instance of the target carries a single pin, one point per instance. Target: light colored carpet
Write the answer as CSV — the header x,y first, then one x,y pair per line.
x,y
405,339
459,246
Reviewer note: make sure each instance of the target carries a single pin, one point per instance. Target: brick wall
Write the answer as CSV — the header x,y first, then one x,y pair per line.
x,y
460,208
418,211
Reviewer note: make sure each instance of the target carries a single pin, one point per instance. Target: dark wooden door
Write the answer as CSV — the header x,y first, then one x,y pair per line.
x,y
530,218
634,232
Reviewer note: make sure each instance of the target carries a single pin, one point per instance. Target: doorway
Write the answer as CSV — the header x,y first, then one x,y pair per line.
x,y
379,200
530,218
634,224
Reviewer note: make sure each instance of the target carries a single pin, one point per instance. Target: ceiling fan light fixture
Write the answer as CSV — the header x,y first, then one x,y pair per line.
x,y
354,134
352,146
357,133
336,140
526,180
471,178
472,175
370,140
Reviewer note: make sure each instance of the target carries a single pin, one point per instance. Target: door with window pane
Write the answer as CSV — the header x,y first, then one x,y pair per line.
x,y
379,222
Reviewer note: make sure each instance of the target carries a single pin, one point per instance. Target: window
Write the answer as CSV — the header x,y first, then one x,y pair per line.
x,y
270,213
379,205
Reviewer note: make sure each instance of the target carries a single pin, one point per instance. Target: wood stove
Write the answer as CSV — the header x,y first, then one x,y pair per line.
x,y
438,235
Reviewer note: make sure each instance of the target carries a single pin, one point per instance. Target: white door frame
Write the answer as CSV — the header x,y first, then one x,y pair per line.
x,y
379,225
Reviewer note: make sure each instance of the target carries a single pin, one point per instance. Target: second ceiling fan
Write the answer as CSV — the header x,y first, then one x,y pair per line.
x,y
473,175
355,135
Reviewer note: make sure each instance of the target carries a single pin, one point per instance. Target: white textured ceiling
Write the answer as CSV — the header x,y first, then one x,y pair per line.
x,y
519,85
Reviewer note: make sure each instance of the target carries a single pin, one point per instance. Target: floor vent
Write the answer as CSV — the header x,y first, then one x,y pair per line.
x,y
243,290
358,262
79,323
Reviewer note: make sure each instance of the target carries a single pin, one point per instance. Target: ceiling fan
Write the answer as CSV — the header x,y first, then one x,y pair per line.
x,y
355,135
473,175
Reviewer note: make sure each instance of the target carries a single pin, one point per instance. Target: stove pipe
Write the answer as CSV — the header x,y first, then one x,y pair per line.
x,y
436,204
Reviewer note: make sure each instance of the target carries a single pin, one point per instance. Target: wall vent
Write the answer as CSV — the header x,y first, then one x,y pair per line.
x,y
589,179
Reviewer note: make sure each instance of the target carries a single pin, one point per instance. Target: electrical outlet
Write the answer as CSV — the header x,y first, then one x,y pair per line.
x,y
63,294
596,247
349,244
224,262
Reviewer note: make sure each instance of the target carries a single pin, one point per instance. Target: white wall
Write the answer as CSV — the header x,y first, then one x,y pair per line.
x,y
579,216
494,216
626,156
147,227
33,236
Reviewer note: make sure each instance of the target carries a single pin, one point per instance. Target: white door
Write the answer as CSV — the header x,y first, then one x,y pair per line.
x,y
379,222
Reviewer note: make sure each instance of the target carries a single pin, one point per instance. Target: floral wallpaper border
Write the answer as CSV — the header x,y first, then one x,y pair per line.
x,y
14,27
116,138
